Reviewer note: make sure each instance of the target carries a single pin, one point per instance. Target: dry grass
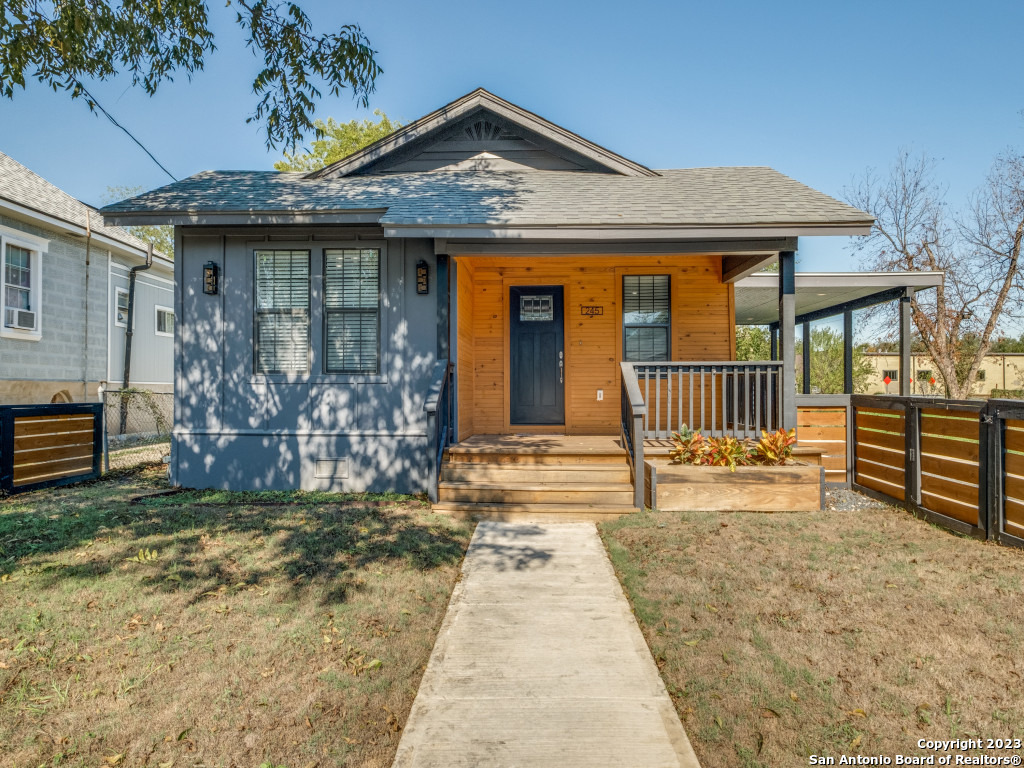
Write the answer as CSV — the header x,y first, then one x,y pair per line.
x,y
275,629
859,632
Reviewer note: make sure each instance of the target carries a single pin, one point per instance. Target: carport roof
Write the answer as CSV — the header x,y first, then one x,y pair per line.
x,y
824,294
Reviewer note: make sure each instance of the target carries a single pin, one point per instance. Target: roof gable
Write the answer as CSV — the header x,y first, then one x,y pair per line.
x,y
482,132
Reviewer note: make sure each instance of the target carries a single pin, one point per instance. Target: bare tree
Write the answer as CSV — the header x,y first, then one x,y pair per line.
x,y
978,250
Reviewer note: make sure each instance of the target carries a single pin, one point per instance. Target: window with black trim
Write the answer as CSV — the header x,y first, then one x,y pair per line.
x,y
645,318
282,311
352,310
121,307
891,373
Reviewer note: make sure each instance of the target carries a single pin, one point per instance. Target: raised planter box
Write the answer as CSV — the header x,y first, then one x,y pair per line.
x,y
681,487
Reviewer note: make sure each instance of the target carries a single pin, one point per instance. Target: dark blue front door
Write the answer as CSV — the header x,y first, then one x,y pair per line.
x,y
537,364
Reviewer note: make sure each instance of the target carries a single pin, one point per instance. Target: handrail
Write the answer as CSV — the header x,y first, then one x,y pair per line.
x,y
438,407
631,430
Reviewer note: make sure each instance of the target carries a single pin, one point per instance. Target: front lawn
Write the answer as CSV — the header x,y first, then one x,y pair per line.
x,y
211,628
851,632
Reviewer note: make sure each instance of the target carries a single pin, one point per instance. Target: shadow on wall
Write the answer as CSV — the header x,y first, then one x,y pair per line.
x,y
237,431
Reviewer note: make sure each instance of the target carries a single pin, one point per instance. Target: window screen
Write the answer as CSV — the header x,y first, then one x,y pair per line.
x,y
645,317
352,310
164,321
282,311
893,374
18,278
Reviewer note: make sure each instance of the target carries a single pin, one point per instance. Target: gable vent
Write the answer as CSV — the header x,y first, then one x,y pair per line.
x,y
482,129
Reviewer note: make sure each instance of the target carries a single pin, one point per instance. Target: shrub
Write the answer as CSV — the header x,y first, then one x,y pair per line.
x,y
776,448
727,451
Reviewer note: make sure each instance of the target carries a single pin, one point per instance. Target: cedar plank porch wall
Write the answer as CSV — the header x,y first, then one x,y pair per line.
x,y
702,325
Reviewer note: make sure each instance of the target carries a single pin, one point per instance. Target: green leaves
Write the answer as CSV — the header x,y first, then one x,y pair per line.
x,y
62,44
144,556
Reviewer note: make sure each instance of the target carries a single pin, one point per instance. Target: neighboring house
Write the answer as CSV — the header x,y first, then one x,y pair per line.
x,y
999,370
64,300
533,259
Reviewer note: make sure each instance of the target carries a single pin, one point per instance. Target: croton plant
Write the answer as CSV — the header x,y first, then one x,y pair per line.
x,y
773,449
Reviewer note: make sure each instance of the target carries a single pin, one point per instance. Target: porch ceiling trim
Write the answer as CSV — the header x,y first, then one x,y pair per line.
x,y
824,294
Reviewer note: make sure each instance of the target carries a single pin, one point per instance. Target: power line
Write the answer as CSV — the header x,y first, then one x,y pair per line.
x,y
110,117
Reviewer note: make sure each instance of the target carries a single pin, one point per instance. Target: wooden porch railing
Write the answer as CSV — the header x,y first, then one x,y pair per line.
x,y
439,421
716,398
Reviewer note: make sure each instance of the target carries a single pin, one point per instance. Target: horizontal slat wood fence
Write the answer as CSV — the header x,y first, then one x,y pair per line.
x,y
47,445
821,422
959,464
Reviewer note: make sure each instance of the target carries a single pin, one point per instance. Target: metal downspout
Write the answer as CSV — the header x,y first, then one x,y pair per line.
x,y
130,331
85,346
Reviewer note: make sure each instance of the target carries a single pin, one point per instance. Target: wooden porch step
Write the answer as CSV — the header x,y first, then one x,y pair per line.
x,y
479,472
534,513
538,493
553,458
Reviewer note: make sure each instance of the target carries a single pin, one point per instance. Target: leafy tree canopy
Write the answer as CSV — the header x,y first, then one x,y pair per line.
x,y
65,43
339,141
753,343
162,236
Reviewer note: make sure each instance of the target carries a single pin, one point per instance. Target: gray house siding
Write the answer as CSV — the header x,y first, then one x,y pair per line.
x,y
60,360
238,429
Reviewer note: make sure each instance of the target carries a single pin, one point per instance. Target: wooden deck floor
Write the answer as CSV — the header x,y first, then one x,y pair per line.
x,y
542,444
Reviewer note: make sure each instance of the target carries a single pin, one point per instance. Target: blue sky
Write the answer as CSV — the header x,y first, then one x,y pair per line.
x,y
818,90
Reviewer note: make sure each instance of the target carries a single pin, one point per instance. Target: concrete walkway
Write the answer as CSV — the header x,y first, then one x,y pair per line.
x,y
540,662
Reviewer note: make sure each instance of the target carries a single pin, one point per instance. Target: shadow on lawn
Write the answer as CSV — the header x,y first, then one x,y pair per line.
x,y
315,542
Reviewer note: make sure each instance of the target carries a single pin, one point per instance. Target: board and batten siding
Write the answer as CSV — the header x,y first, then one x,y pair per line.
x,y
237,429
702,328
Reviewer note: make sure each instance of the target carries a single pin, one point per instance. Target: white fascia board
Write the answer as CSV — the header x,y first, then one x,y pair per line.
x,y
68,227
629,233
235,218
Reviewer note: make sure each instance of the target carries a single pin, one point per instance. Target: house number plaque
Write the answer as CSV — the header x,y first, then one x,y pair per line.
x,y
591,311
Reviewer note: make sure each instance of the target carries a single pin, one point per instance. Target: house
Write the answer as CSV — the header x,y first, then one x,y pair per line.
x,y
480,272
64,304
998,371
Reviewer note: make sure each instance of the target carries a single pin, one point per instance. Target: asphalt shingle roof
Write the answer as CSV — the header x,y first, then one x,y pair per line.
x,y
23,187
693,196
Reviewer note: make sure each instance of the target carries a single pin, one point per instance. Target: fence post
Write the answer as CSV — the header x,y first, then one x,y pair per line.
x,y
990,471
912,448
6,449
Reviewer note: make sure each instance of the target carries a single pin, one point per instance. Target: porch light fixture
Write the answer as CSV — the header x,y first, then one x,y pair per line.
x,y
211,278
422,278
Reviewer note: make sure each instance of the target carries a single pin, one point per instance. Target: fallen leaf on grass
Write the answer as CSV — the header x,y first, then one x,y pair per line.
x,y
767,712
183,734
114,759
691,643
857,713
793,696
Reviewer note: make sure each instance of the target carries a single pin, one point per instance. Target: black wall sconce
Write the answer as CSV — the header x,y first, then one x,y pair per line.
x,y
211,278
422,277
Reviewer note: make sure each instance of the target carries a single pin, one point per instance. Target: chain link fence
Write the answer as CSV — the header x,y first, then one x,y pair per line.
x,y
137,427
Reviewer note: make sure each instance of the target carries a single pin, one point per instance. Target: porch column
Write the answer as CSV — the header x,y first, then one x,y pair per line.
x,y
848,352
806,331
443,330
787,335
905,334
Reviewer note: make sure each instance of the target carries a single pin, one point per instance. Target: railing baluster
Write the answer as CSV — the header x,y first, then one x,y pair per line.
x,y
647,399
757,399
747,431
668,401
735,401
702,427
657,401
679,390
714,421
689,416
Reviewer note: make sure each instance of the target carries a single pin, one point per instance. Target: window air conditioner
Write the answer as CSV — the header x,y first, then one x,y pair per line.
x,y
20,318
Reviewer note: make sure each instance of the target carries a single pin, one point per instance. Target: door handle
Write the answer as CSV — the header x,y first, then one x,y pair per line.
x,y
561,367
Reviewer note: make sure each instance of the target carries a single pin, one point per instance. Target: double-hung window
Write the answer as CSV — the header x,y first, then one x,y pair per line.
x,y
352,310
20,284
645,318
282,311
